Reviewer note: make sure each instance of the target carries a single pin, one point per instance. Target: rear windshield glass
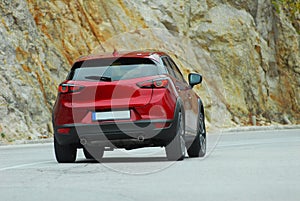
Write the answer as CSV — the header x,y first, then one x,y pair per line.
x,y
112,70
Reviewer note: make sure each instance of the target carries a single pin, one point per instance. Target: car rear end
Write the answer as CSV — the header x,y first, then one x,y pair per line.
x,y
123,102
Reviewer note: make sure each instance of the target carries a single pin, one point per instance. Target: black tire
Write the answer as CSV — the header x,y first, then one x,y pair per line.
x,y
91,152
65,153
198,146
175,150
87,154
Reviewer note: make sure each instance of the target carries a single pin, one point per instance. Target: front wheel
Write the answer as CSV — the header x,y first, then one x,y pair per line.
x,y
176,149
64,153
198,146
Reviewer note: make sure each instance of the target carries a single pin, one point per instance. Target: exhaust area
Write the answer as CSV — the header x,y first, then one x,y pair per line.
x,y
141,138
83,141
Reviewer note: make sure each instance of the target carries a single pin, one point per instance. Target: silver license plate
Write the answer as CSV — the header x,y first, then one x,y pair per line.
x,y
111,115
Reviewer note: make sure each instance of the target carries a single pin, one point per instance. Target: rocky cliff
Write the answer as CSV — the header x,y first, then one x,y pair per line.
x,y
247,51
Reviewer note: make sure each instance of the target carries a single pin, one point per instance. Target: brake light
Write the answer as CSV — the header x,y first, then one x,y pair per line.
x,y
69,88
158,83
163,83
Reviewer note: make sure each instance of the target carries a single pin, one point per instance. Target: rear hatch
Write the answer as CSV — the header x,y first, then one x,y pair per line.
x,y
100,86
110,95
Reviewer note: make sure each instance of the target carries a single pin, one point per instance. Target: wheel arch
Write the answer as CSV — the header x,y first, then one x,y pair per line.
x,y
179,108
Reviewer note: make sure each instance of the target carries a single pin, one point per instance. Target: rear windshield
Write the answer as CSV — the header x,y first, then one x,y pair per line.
x,y
112,69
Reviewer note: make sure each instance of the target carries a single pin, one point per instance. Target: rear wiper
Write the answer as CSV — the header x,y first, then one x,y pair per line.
x,y
93,77
98,78
105,79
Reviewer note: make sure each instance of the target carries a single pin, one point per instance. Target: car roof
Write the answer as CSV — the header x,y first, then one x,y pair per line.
x,y
124,54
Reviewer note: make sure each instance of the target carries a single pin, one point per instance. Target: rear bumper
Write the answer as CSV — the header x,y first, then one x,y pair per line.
x,y
147,131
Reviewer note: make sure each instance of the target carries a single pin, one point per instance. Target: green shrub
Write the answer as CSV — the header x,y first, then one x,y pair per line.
x,y
291,8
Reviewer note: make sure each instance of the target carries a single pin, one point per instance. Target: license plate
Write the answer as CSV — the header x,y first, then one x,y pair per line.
x,y
111,115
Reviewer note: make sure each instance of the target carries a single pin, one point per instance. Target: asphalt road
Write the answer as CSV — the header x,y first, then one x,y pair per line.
x,y
256,166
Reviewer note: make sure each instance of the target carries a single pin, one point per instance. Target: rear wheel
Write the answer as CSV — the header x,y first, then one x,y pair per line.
x,y
87,154
91,152
175,151
198,146
64,153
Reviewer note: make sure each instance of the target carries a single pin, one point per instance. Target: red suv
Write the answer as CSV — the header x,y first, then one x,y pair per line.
x,y
128,100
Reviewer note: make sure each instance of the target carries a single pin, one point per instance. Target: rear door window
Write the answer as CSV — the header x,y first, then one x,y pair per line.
x,y
168,66
172,68
176,70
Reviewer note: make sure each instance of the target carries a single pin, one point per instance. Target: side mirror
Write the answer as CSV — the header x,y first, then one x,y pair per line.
x,y
194,79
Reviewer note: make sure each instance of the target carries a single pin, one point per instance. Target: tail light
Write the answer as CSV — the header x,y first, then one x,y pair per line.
x,y
157,83
69,88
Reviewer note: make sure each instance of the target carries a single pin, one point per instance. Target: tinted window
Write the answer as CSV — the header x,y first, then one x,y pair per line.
x,y
168,66
112,70
175,69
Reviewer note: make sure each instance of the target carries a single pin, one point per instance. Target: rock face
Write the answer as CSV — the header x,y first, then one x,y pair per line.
x,y
247,51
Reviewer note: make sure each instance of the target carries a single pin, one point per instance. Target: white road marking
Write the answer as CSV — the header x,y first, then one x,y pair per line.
x,y
24,165
262,142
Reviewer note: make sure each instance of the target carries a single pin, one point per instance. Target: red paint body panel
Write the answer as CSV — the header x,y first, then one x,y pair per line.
x,y
144,103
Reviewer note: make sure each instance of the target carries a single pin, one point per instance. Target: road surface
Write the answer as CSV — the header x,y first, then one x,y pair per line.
x,y
256,166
